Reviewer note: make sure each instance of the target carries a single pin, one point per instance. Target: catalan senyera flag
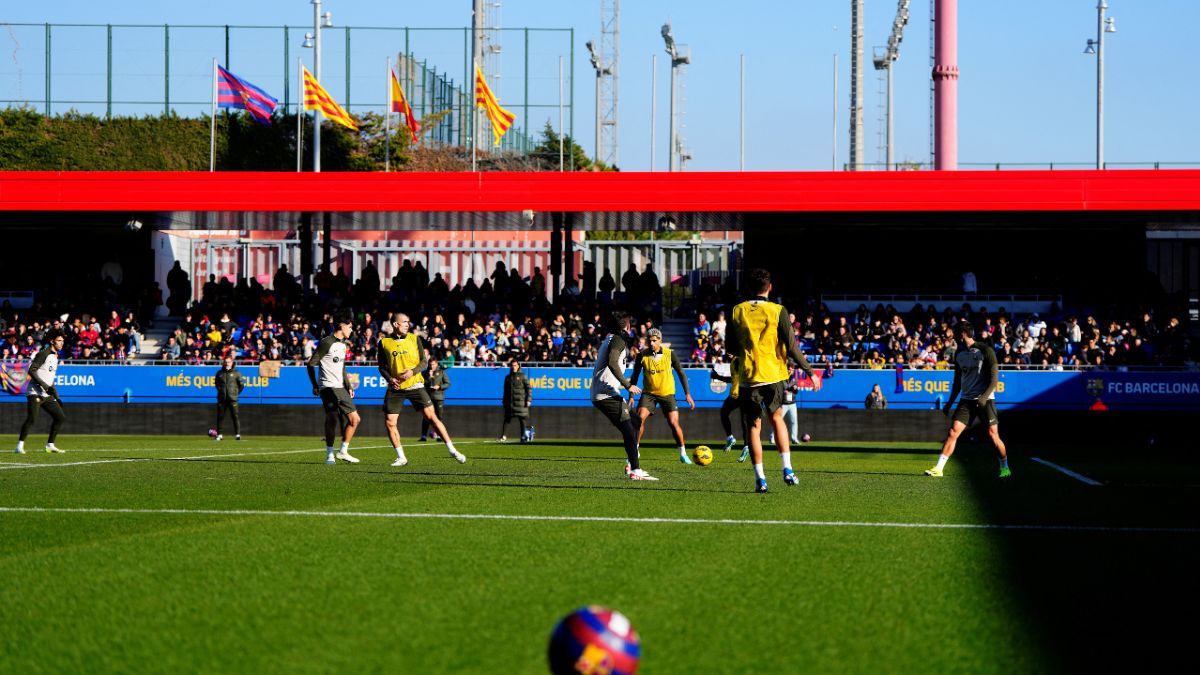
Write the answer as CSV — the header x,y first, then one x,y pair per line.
x,y
400,105
316,98
500,118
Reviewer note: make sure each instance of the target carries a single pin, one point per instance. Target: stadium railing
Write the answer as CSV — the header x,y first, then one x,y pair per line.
x,y
817,365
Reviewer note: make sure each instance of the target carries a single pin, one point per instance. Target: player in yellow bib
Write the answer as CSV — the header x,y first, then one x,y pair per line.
x,y
761,340
659,365
402,358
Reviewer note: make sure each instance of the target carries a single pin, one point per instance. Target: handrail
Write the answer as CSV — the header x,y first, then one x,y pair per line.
x,y
817,365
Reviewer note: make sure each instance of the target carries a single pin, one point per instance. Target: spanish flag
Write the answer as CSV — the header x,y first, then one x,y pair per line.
x,y
316,98
400,105
500,118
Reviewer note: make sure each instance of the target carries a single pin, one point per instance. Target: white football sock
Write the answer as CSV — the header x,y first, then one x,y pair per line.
x,y
20,445
683,449
345,446
758,471
399,452
942,459
786,457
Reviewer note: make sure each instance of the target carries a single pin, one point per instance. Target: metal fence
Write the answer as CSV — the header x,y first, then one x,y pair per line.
x,y
1024,166
1185,367
137,69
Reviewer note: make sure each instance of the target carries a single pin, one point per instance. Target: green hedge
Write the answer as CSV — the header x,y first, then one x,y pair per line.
x,y
30,141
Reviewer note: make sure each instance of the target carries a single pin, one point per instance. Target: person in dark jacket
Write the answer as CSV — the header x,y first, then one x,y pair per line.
x,y
875,399
518,397
229,383
437,382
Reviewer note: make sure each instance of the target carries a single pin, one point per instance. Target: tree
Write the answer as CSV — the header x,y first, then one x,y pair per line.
x,y
574,157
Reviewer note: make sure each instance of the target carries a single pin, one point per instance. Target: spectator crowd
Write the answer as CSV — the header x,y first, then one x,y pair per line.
x,y
508,316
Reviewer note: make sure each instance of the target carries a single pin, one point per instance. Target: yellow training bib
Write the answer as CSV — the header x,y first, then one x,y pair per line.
x,y
660,380
403,354
762,358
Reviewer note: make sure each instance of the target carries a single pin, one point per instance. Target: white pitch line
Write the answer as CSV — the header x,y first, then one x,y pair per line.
x,y
239,444
15,465
8,466
1077,476
605,519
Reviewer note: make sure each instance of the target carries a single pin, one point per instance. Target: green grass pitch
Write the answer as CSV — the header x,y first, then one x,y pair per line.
x,y
153,554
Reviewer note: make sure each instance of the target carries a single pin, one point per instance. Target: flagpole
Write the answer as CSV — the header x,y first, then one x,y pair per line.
x,y
317,76
387,120
560,114
653,103
212,130
474,117
742,115
300,115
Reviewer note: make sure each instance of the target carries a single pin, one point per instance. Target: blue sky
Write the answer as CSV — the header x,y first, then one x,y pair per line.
x,y
1027,91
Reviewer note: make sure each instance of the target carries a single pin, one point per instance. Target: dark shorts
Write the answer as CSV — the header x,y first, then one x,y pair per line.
x,y
968,411
614,409
337,401
667,403
753,401
35,404
393,400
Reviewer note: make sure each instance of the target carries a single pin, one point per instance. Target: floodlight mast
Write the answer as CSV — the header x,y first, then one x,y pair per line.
x,y
313,40
602,71
677,60
883,61
1103,25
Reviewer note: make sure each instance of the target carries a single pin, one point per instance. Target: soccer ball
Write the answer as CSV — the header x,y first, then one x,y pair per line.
x,y
805,438
527,434
212,433
594,640
703,455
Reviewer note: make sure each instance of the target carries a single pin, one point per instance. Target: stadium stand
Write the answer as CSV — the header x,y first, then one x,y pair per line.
x,y
509,316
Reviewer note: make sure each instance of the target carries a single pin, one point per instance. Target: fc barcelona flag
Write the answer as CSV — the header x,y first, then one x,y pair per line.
x,y
234,92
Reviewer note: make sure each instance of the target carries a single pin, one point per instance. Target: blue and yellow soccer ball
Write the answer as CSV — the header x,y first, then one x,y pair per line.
x,y
702,455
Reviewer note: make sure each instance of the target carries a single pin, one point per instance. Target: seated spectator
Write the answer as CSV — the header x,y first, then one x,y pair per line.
x,y
171,350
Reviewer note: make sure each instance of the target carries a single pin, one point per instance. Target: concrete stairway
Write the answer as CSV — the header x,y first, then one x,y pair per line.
x,y
155,338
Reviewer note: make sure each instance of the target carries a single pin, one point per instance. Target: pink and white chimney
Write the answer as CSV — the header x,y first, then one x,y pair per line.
x,y
945,86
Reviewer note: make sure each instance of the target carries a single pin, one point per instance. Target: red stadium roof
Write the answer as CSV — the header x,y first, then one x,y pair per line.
x,y
816,192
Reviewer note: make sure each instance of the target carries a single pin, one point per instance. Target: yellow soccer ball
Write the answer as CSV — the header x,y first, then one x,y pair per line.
x,y
702,455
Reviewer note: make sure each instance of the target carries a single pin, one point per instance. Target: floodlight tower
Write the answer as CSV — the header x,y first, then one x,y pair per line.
x,y
677,60
601,72
605,59
857,147
313,41
487,55
884,60
1103,25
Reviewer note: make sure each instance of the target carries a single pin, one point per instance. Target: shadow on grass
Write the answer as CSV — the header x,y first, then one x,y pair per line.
x,y
1091,601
